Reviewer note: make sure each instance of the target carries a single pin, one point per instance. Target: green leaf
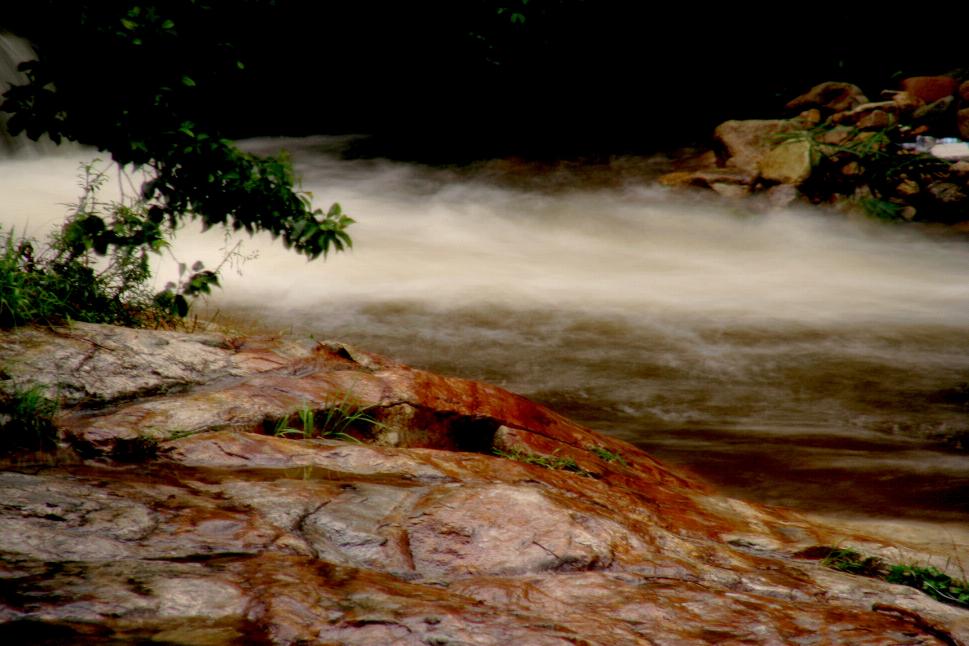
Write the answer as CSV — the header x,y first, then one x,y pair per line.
x,y
130,25
187,81
181,306
168,24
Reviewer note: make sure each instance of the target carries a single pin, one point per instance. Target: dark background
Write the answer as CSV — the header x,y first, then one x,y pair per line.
x,y
445,81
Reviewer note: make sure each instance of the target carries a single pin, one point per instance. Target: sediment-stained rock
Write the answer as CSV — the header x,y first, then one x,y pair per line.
x,y
222,533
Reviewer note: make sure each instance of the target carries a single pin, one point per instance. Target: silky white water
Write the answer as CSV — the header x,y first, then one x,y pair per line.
x,y
791,356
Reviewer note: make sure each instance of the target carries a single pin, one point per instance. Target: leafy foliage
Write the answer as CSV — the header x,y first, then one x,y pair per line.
x,y
96,267
933,582
868,166
930,580
170,61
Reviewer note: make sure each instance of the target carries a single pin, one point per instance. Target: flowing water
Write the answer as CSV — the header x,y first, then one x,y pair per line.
x,y
789,356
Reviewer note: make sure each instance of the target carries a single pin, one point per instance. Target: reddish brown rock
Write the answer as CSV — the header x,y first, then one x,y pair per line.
x,y
831,96
810,118
962,123
225,535
876,120
906,103
930,88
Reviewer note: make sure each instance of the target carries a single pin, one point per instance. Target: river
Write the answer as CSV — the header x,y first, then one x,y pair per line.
x,y
794,357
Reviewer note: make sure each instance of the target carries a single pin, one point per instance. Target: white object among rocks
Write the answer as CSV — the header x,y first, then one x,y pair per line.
x,y
953,151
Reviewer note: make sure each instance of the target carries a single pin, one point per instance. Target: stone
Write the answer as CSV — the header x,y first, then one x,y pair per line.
x,y
706,178
953,151
782,195
947,194
836,136
788,163
696,161
960,168
869,115
930,88
906,103
851,169
962,123
908,188
875,120
810,118
747,142
730,191
831,96
228,534
935,109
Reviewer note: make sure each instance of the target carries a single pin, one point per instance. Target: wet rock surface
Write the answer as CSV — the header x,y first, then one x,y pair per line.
x,y
837,148
220,532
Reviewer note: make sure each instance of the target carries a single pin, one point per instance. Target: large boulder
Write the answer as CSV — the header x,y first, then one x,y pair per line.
x,y
222,532
746,142
930,88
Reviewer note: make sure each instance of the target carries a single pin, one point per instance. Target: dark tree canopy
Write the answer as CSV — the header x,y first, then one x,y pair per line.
x,y
139,81
468,77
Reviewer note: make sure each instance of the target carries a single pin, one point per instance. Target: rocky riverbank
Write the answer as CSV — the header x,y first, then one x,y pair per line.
x,y
904,157
214,489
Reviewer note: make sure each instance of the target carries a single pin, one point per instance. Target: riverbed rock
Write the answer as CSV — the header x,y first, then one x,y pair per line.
x,y
710,178
787,163
930,88
831,96
933,113
747,142
962,123
489,520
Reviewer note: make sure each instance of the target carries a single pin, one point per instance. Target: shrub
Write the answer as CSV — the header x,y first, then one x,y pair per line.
x,y
95,268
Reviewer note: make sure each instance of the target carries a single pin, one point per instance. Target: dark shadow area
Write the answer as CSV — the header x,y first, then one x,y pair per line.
x,y
448,82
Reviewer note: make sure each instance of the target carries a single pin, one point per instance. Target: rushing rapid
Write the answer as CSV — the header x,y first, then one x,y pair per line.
x,y
791,356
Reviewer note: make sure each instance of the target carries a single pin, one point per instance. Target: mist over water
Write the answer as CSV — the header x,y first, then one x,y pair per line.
x,y
792,356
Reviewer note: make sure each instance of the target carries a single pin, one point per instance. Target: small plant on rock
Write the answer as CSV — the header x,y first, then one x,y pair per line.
x,y
334,420
554,462
933,582
26,420
609,456
930,580
850,561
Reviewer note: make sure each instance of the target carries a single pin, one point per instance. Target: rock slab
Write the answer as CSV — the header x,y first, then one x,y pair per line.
x,y
223,533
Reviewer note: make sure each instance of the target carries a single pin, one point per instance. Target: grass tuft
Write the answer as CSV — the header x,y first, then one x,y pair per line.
x,y
609,456
554,462
334,419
